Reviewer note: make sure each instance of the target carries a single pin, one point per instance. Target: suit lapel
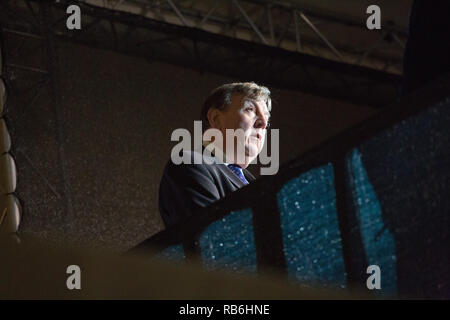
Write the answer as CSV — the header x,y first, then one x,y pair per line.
x,y
250,177
233,177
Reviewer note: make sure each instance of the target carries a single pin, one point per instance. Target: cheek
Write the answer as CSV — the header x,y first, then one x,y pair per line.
x,y
246,125
263,138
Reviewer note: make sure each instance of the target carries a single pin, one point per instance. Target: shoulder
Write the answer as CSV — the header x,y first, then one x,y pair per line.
x,y
190,162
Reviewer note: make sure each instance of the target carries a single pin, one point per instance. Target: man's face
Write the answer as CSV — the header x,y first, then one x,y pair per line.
x,y
249,115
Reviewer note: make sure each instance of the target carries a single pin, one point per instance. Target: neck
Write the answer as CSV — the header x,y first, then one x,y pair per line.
x,y
222,157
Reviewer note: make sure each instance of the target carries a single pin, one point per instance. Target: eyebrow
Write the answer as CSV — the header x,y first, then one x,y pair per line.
x,y
253,102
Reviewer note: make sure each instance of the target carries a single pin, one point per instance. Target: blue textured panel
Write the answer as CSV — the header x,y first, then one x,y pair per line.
x,y
378,241
408,167
311,236
175,252
229,243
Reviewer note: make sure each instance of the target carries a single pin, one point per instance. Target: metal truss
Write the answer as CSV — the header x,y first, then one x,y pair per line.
x,y
30,63
278,24
249,44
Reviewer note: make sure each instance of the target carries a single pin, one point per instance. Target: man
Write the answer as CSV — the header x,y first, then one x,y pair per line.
x,y
184,188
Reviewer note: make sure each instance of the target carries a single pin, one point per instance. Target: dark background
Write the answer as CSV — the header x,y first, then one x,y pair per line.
x,y
89,170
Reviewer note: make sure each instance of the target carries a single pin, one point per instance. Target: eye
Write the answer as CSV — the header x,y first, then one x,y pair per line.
x,y
267,125
252,109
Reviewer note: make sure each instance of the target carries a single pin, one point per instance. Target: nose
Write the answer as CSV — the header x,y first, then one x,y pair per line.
x,y
261,122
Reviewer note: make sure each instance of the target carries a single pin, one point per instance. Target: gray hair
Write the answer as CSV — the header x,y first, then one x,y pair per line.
x,y
220,97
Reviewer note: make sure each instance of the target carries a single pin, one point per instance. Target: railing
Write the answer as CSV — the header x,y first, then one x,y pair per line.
x,y
376,194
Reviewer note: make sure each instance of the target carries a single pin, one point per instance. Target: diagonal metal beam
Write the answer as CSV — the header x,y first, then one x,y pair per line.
x,y
208,14
250,22
338,54
260,20
285,31
117,4
146,8
397,39
178,13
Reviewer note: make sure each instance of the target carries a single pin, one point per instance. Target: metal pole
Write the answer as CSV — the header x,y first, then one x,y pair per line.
x,y
250,22
210,12
322,36
172,5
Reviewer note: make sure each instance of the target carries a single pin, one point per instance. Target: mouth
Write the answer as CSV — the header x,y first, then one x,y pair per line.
x,y
258,136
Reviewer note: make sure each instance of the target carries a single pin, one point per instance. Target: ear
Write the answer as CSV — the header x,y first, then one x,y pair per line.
x,y
214,118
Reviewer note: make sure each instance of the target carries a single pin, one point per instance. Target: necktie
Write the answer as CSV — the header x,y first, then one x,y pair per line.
x,y
238,171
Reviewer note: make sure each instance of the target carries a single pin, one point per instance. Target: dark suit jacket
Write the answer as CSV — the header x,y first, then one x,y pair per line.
x,y
185,188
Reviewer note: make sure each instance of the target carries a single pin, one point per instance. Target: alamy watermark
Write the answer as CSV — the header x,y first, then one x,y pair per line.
x,y
73,22
374,280
374,20
237,148
74,280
